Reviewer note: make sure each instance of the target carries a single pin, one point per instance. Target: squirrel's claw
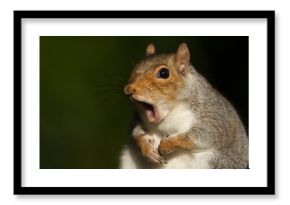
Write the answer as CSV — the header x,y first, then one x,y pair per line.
x,y
155,157
163,160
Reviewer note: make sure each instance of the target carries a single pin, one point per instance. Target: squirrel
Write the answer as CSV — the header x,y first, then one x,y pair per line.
x,y
182,122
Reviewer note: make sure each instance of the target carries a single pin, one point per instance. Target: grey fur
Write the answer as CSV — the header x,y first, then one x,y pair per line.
x,y
219,127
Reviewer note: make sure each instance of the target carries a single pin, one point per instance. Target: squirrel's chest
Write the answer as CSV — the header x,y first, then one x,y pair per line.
x,y
180,120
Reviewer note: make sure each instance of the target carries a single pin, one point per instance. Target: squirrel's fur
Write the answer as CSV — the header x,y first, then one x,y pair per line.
x,y
183,121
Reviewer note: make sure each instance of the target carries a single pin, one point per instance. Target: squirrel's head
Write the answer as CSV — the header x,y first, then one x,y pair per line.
x,y
156,82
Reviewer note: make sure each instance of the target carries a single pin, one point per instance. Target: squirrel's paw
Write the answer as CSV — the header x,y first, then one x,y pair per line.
x,y
166,146
153,155
150,153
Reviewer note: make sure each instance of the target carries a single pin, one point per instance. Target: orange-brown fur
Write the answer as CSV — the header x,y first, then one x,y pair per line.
x,y
168,145
211,127
144,145
147,149
147,81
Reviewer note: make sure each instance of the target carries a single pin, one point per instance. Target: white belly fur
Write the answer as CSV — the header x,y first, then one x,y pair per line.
x,y
198,160
179,120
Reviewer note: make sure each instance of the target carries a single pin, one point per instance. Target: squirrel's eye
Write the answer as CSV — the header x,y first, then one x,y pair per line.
x,y
163,73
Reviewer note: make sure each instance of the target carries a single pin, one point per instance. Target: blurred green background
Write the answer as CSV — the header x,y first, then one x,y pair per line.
x,y
85,119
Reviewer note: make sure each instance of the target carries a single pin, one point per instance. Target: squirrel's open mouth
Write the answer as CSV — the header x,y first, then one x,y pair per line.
x,y
150,110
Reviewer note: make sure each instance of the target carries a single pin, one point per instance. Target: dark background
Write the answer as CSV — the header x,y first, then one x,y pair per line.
x,y
85,118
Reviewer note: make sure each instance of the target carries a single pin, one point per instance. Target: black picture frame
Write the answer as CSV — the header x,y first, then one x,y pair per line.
x,y
268,190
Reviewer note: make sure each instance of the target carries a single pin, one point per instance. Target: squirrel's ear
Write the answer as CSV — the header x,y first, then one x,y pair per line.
x,y
150,50
182,57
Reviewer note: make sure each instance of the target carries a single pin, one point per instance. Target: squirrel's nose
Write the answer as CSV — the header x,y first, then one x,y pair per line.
x,y
129,89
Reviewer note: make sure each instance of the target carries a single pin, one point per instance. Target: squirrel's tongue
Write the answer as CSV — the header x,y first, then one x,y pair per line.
x,y
150,114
